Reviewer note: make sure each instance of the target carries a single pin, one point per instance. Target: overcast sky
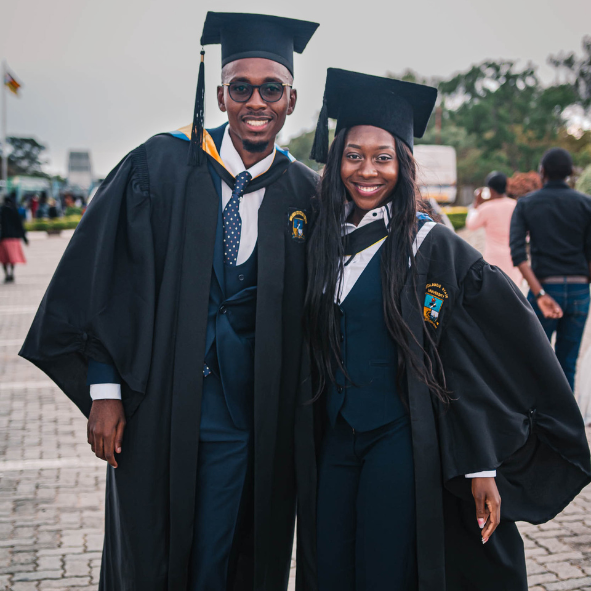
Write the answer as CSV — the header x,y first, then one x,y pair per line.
x,y
107,74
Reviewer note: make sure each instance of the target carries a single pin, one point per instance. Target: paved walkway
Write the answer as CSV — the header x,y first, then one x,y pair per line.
x,y
51,485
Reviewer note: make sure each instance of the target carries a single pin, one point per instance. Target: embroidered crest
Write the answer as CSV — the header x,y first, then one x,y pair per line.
x,y
435,296
297,224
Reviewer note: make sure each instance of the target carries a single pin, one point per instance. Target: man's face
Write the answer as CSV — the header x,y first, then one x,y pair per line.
x,y
256,122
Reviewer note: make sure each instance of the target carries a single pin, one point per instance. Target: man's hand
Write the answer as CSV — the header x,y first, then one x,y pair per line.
x,y
549,307
105,429
488,505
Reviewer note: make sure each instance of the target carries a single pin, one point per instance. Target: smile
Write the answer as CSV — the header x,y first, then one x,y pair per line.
x,y
257,123
367,189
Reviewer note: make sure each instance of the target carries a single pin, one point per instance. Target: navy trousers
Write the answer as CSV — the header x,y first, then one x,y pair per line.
x,y
366,509
573,298
224,493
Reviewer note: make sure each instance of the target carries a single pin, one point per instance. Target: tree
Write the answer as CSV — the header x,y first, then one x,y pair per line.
x,y
25,157
301,145
577,71
584,181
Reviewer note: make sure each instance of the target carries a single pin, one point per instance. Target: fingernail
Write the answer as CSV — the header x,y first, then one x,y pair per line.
x,y
484,540
481,523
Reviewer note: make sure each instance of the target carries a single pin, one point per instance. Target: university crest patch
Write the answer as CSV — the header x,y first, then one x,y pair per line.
x,y
297,221
435,296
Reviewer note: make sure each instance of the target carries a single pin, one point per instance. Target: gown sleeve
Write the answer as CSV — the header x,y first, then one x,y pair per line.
x,y
100,302
512,408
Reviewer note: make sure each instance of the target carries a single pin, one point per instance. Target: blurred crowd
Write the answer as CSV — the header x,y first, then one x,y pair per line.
x,y
544,238
34,206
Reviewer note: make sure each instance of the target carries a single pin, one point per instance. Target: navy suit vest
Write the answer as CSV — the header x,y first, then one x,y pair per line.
x,y
370,400
231,325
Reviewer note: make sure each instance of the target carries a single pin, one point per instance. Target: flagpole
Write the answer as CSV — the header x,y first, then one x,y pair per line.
x,y
4,130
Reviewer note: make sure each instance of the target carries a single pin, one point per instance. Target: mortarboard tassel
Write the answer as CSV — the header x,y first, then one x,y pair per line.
x,y
319,151
195,150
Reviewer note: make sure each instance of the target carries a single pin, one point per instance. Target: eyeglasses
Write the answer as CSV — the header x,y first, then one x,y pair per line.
x,y
270,92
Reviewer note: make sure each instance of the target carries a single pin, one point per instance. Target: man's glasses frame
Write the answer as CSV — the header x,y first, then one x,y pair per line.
x,y
260,87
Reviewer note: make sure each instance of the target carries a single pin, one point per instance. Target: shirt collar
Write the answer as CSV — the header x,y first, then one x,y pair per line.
x,y
233,162
556,184
379,213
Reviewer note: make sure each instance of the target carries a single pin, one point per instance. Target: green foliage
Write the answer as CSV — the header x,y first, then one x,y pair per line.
x,y
584,181
509,117
577,71
301,145
58,224
457,218
73,211
25,157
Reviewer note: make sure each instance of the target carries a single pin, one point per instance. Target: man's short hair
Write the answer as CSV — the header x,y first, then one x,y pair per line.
x,y
497,181
557,164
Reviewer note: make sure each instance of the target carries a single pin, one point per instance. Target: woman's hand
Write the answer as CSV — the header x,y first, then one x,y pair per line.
x,y
478,200
488,505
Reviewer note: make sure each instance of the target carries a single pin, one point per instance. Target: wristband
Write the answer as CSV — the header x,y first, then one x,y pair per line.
x,y
540,294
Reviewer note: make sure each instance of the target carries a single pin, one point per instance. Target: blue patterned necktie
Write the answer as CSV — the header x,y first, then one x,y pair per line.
x,y
232,220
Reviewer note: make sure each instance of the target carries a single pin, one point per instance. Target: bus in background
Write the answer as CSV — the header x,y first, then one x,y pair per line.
x,y
437,173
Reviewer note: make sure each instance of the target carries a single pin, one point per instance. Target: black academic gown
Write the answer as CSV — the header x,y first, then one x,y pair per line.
x,y
511,410
132,290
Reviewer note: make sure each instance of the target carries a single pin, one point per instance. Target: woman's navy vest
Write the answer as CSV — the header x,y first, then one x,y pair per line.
x,y
370,399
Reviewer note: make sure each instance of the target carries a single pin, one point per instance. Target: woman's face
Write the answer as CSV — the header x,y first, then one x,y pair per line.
x,y
369,167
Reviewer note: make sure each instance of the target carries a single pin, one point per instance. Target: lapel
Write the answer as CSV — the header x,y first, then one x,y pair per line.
x,y
217,136
429,504
268,350
218,256
200,214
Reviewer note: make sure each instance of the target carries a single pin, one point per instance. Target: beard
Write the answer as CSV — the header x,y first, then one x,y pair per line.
x,y
254,147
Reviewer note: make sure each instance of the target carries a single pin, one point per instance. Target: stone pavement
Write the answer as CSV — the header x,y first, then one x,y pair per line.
x,y
52,486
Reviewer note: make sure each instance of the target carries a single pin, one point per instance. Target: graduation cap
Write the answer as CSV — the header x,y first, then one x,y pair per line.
x,y
243,35
401,108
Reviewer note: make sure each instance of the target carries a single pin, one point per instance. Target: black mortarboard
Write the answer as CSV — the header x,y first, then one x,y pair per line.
x,y
402,108
244,36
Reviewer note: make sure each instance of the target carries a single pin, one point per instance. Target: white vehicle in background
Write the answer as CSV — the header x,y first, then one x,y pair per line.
x,y
437,172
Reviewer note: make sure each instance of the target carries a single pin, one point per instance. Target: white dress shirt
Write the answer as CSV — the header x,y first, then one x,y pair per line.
x,y
249,213
355,268
250,202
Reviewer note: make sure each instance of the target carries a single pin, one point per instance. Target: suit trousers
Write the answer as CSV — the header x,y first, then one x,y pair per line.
x,y
366,509
224,493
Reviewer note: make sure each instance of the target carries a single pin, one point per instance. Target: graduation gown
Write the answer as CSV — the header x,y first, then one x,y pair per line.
x,y
511,409
132,290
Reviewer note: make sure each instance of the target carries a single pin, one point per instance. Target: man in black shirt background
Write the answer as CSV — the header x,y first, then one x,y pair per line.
x,y
558,221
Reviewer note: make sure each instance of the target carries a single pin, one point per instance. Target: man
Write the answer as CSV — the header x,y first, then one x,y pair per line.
x,y
174,274
558,221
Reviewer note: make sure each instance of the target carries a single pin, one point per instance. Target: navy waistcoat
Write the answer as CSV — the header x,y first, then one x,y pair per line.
x,y
370,400
231,324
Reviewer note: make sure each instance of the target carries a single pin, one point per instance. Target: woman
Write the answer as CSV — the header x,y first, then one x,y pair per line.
x,y
494,215
431,367
11,234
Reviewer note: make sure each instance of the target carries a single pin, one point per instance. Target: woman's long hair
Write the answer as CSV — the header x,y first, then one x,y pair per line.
x,y
326,267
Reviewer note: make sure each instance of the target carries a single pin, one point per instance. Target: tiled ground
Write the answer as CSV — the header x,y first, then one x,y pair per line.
x,y
51,485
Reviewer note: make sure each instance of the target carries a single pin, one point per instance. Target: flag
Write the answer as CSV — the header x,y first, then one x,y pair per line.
x,y
11,82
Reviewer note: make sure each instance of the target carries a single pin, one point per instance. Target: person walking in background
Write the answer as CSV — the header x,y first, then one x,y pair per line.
x,y
494,215
34,206
558,221
11,234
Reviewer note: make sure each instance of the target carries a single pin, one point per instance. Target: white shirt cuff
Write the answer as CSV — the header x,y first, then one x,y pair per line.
x,y
486,474
105,391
